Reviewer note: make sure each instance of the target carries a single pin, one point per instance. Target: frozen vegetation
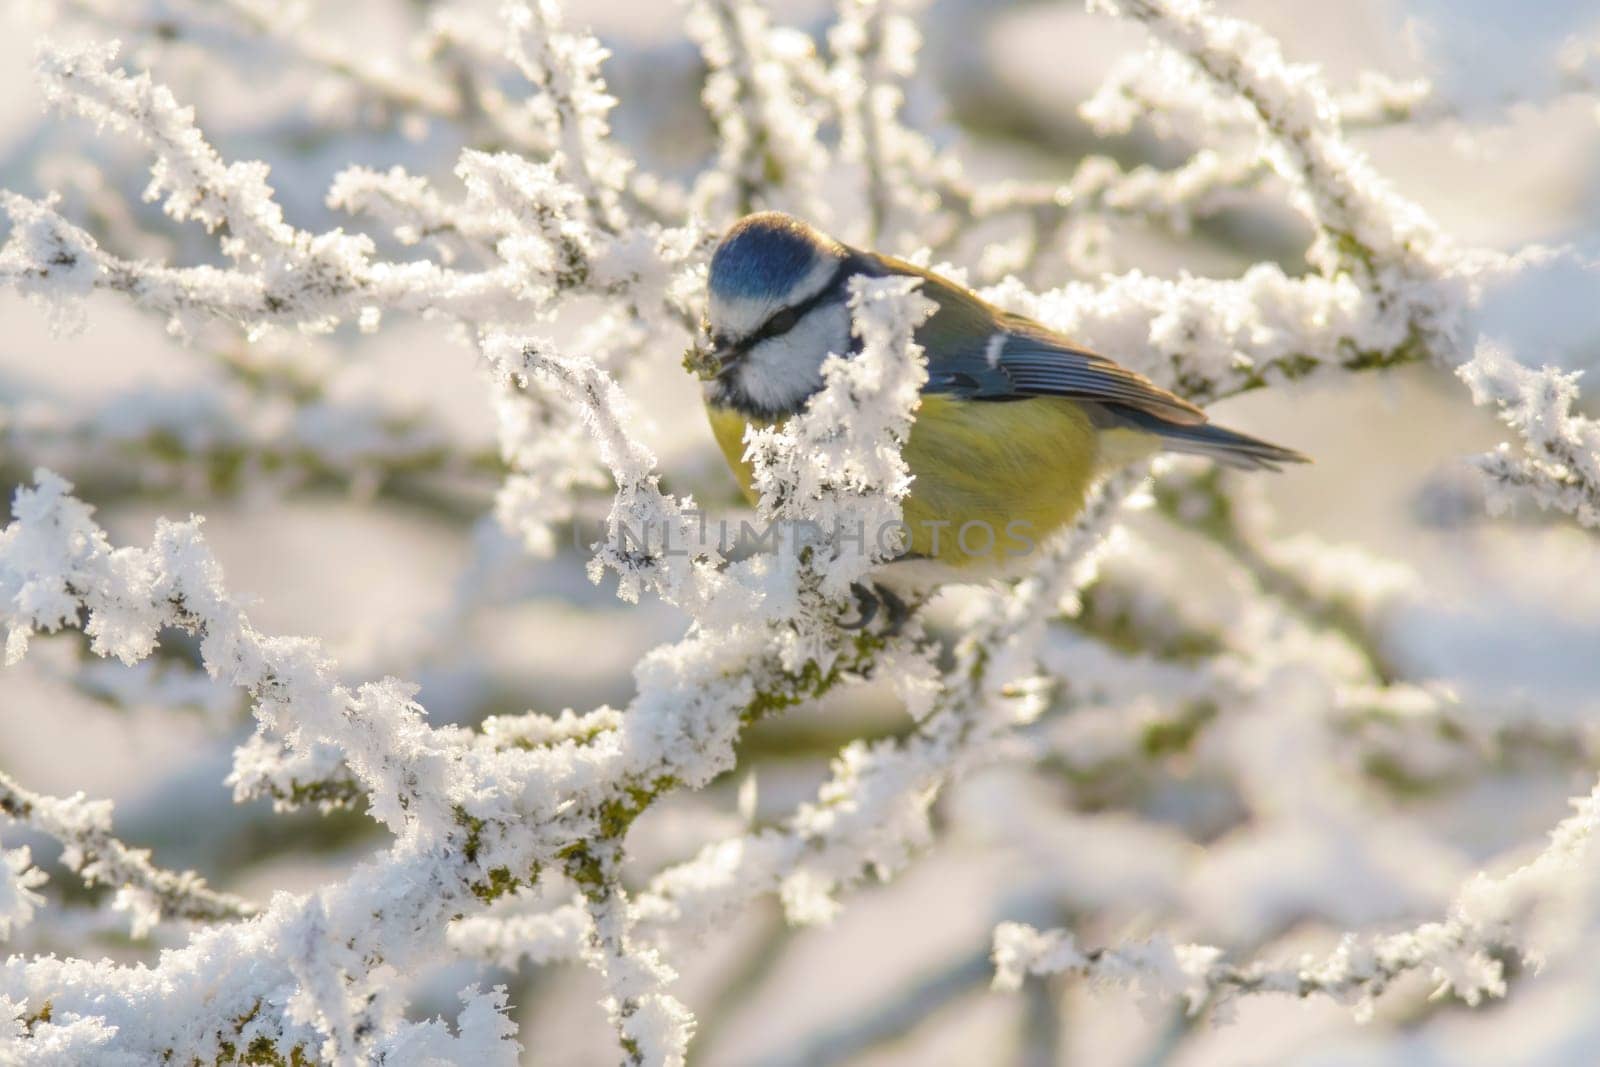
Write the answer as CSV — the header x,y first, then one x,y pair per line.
x,y
1202,756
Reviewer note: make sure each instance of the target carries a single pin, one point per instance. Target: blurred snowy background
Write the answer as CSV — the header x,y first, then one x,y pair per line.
x,y
345,481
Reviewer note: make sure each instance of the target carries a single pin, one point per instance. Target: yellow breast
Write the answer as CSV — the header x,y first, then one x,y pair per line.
x,y
991,481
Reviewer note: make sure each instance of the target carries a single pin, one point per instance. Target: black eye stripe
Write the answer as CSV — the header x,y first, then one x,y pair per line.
x,y
781,322
785,319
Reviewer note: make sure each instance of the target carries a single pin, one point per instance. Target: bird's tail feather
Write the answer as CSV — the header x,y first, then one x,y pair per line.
x,y
1214,442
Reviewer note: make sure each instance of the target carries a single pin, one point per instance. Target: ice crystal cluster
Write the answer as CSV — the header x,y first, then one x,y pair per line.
x,y
1202,760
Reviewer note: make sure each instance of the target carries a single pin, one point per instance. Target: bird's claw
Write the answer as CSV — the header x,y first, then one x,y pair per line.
x,y
870,599
899,611
866,607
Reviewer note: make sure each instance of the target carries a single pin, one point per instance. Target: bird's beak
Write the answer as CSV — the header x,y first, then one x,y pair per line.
x,y
728,358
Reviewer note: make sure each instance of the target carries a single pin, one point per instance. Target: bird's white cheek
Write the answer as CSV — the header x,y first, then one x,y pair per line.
x,y
782,372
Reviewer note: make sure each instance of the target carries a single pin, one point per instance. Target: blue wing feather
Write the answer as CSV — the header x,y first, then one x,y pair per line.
x,y
966,359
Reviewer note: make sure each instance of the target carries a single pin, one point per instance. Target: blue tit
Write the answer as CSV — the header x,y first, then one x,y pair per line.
x,y
1015,424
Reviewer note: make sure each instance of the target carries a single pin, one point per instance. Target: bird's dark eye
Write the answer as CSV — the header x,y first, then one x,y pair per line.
x,y
781,322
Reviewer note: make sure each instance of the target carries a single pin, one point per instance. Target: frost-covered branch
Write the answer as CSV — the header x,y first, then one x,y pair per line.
x,y
837,465
312,282
229,439
415,212
464,829
56,563
766,129
874,46
1461,952
663,529
19,882
1424,291
565,68
1345,591
148,893
1173,100
1099,187
286,28
288,276
1100,190
548,238
1560,464
1377,99
1364,227
872,816
553,259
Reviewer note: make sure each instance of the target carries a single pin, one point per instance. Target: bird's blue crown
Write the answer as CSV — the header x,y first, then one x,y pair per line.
x,y
765,255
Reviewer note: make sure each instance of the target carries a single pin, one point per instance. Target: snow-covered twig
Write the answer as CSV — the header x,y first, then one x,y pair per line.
x,y
1413,278
286,28
148,893
293,278
1099,190
872,816
1377,99
766,131
640,512
565,67
874,46
453,811
1560,464
19,884
284,275
1489,917
837,465
415,212
1347,594
528,801
1364,227
229,439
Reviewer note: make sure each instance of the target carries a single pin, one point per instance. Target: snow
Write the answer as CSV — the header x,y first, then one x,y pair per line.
x,y
1246,742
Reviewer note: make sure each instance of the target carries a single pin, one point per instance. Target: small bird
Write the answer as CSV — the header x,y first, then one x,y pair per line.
x,y
1015,423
